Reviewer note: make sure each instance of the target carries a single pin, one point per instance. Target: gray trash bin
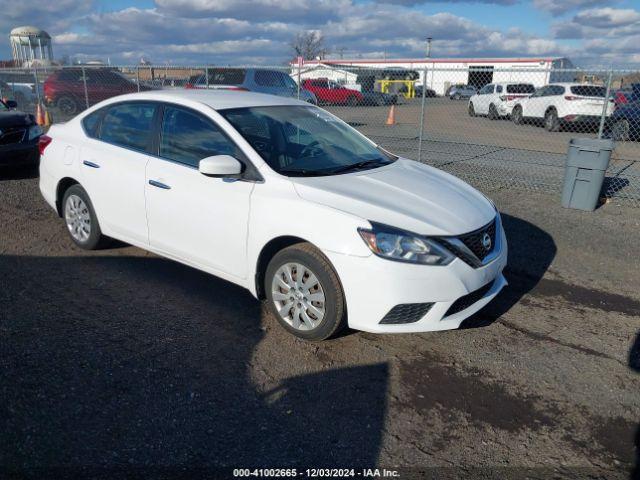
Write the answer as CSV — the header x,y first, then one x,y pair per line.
x,y
587,161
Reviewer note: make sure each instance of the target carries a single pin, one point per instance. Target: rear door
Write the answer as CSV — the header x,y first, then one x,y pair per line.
x,y
198,219
113,163
484,98
271,82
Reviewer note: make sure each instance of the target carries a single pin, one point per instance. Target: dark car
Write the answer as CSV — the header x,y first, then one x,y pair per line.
x,y
378,99
627,94
19,136
624,123
429,92
65,89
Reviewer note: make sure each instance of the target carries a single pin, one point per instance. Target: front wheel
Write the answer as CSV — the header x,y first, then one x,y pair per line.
x,y
493,112
620,130
551,121
472,110
352,101
304,293
516,115
80,218
68,106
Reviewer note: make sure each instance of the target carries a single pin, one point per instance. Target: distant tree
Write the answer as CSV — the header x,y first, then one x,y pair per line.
x,y
309,45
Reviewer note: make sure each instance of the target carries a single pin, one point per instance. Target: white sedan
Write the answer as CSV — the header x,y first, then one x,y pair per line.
x,y
282,198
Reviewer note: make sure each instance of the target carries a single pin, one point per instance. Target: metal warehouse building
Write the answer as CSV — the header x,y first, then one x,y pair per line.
x,y
444,72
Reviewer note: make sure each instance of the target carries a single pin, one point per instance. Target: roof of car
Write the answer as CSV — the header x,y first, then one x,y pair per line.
x,y
215,98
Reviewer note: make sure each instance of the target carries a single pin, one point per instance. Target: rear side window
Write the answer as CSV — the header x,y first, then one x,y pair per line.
x,y
188,137
555,90
128,125
498,88
266,78
227,76
91,123
521,88
589,91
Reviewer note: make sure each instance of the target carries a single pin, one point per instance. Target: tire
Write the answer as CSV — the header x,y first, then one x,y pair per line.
x,y
67,105
620,130
81,220
471,110
287,264
493,113
551,120
352,101
516,115
457,96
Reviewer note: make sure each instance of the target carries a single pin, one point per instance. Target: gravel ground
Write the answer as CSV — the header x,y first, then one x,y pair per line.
x,y
118,361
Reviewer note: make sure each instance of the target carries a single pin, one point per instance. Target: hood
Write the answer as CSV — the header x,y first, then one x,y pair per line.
x,y
15,119
406,194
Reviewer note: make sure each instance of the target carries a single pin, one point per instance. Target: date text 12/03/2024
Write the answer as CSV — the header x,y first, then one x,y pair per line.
x,y
316,472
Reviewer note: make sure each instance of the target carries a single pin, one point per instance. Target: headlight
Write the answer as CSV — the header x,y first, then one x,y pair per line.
x,y
35,131
394,244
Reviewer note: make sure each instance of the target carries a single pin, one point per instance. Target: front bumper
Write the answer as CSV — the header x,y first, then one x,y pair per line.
x,y
373,286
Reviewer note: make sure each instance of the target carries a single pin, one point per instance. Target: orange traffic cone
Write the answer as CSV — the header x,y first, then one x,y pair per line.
x,y
47,118
39,115
391,118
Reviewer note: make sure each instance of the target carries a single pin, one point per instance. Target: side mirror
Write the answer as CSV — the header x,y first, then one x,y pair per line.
x,y
220,166
11,104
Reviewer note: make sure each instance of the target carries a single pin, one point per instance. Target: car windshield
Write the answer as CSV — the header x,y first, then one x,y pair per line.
x,y
305,141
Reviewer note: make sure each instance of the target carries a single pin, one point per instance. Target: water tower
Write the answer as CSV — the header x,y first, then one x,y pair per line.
x,y
31,46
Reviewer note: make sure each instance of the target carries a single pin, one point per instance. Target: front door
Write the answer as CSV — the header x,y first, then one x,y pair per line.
x,y
199,219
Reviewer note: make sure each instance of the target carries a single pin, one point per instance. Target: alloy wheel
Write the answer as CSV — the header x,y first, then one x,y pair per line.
x,y
78,218
298,296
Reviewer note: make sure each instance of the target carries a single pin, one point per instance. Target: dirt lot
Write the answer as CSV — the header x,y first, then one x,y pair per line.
x,y
119,360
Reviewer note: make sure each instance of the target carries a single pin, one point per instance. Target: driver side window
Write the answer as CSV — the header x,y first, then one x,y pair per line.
x,y
188,137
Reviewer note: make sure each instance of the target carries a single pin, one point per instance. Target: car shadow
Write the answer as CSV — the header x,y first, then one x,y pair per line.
x,y
118,364
634,364
531,251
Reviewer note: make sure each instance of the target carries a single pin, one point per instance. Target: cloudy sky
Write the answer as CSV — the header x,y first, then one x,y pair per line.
x,y
224,32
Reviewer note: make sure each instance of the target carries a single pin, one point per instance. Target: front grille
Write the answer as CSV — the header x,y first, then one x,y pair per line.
x,y
406,313
474,240
469,299
11,136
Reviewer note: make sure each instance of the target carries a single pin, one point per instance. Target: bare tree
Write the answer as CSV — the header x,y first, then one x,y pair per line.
x,y
309,45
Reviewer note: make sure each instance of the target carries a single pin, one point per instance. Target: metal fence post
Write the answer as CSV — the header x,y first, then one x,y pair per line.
x,y
299,68
138,77
86,92
422,112
605,105
206,76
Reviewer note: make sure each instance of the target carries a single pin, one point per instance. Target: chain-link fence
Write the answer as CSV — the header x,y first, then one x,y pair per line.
x,y
493,127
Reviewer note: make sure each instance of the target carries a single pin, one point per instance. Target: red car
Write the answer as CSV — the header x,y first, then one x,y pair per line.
x,y
327,91
65,89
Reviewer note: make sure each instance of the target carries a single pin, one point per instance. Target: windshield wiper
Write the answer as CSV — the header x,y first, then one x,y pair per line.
x,y
358,166
293,172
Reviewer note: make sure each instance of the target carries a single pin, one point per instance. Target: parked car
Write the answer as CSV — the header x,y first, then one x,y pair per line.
x,y
627,94
429,92
378,98
561,104
23,87
330,92
19,136
461,91
65,88
273,82
403,246
624,123
496,100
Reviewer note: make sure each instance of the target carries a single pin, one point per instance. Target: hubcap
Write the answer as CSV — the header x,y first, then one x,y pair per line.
x,y
78,218
298,296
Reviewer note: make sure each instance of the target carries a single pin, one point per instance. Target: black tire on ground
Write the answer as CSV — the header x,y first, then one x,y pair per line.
x,y
551,120
67,105
457,96
493,112
516,115
335,318
352,101
620,131
471,110
95,239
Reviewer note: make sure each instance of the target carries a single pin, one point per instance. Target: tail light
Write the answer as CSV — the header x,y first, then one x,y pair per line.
x,y
508,98
43,143
621,98
189,85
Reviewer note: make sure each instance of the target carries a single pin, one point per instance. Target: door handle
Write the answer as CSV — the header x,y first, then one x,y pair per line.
x,y
90,164
161,185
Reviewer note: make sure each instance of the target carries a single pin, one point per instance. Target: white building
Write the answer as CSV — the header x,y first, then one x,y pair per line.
x,y
30,46
444,72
